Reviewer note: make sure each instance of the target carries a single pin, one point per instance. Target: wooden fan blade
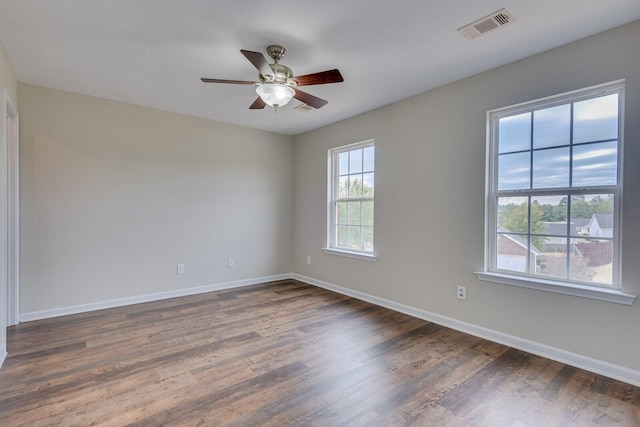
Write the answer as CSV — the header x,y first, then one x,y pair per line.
x,y
235,82
310,100
323,77
258,61
258,104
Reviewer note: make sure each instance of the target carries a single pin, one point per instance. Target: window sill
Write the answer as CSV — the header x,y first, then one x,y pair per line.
x,y
592,292
350,254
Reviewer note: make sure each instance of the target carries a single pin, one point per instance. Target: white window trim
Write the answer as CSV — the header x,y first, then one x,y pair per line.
x,y
574,289
610,294
365,256
331,190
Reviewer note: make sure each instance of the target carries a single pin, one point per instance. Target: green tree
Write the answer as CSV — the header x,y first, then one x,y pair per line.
x,y
354,187
515,218
580,208
548,213
602,205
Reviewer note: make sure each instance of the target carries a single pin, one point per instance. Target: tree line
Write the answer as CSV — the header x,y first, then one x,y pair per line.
x,y
515,217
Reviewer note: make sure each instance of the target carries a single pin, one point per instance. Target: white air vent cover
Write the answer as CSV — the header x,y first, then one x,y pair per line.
x,y
303,108
484,25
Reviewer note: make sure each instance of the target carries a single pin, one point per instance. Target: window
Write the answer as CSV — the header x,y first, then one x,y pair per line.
x,y
351,188
554,189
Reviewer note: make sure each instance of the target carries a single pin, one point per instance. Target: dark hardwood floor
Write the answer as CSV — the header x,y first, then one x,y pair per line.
x,y
286,353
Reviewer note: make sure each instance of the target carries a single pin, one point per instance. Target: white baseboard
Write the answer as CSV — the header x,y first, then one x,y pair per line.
x,y
3,356
83,308
607,369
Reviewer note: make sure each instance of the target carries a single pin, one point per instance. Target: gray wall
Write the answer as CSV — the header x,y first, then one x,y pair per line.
x,y
114,196
429,214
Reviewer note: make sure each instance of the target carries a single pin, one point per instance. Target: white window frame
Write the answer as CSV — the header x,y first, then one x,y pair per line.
x,y
332,199
611,293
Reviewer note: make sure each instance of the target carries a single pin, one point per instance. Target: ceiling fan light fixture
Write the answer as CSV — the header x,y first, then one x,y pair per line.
x,y
276,80
275,94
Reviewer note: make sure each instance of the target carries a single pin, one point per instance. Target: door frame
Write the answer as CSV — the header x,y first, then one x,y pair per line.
x,y
11,146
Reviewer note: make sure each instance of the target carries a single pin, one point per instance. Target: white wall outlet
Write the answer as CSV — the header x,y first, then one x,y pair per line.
x,y
308,259
231,263
180,269
461,292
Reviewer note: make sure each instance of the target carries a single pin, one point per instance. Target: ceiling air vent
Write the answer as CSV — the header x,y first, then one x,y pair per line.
x,y
303,108
484,25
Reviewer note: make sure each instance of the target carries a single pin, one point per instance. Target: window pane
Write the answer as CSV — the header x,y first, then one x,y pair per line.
x,y
595,164
343,187
342,236
549,217
512,252
548,226
353,238
341,213
354,213
551,264
593,215
514,133
369,156
580,219
601,221
368,183
343,163
513,171
592,261
551,168
367,239
355,185
367,213
552,126
355,161
513,214
595,119
553,208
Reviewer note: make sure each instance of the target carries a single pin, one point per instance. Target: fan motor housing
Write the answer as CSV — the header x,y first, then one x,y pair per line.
x,y
282,73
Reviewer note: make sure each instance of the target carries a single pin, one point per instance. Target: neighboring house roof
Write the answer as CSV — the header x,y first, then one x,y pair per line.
x,y
519,240
604,220
558,228
580,222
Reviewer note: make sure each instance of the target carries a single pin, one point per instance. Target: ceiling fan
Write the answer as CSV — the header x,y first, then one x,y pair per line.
x,y
277,83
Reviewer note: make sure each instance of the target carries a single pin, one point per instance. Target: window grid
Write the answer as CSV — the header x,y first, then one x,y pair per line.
x,y
352,197
527,237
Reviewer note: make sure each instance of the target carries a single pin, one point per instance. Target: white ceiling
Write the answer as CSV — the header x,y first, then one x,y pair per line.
x,y
154,52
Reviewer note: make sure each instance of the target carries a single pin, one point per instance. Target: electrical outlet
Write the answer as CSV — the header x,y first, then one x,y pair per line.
x,y
180,269
231,263
462,292
308,259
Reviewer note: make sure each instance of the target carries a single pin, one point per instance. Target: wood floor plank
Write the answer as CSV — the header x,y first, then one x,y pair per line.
x,y
286,353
